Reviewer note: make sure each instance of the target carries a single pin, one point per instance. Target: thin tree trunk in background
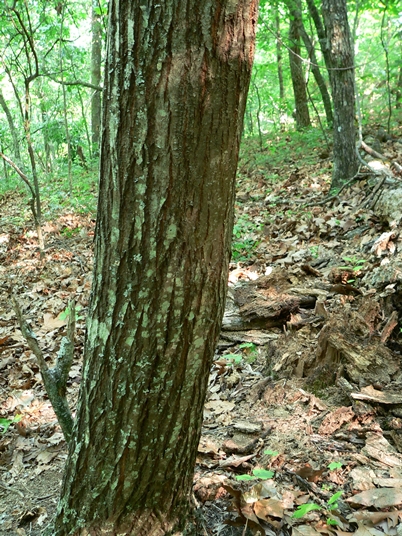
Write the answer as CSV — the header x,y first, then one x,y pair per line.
x,y
322,86
64,93
13,130
177,75
385,46
45,132
399,89
322,36
296,67
279,60
96,60
341,57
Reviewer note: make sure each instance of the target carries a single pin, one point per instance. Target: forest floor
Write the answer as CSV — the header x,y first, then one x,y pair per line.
x,y
303,420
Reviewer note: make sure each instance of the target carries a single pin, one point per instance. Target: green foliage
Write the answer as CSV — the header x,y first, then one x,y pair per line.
x,y
332,504
245,238
6,423
331,521
334,465
258,474
234,358
354,263
304,509
250,350
271,452
57,198
67,311
332,501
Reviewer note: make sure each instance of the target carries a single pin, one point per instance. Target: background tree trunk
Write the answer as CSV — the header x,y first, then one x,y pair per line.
x,y
322,86
96,61
322,37
296,67
13,130
279,54
341,57
177,76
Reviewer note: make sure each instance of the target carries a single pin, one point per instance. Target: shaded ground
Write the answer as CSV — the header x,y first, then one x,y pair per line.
x,y
304,404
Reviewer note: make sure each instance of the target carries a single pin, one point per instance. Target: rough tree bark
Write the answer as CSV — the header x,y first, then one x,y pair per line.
x,y
296,67
177,76
341,74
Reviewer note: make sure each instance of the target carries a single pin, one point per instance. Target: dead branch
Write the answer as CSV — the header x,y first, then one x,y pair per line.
x,y
20,173
55,378
371,151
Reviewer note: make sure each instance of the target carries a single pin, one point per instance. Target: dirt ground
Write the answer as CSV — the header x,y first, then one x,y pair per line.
x,y
303,419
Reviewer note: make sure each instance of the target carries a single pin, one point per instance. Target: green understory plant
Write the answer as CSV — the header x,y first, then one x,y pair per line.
x,y
332,504
6,423
258,474
354,263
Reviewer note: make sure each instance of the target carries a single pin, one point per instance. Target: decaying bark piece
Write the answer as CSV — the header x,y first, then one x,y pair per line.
x,y
347,340
268,302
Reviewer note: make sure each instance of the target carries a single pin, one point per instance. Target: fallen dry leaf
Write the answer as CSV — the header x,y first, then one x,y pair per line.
x,y
378,497
265,508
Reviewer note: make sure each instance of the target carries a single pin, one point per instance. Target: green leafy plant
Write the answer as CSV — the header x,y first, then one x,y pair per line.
x,y
354,263
334,465
332,504
271,452
304,509
234,358
6,423
66,313
258,474
244,241
250,350
70,232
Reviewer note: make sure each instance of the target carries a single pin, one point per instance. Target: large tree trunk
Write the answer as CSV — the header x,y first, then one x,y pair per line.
x,y
296,67
341,73
177,76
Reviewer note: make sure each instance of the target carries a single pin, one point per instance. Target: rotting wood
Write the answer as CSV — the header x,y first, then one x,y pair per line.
x,y
347,340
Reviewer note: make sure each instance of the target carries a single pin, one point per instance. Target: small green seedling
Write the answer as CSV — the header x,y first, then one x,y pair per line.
x,y
250,349
67,311
271,452
332,504
334,465
234,358
332,501
354,263
258,474
304,509
331,521
5,423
